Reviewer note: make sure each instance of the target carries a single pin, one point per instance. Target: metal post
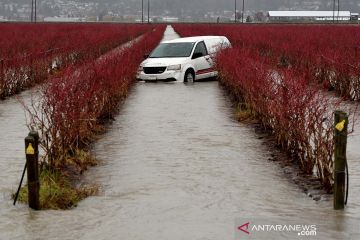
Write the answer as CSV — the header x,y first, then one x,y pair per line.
x,y
19,188
148,11
142,11
32,154
242,14
341,126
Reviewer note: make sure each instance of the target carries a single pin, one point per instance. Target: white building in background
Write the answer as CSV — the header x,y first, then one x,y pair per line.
x,y
354,17
63,19
170,19
289,16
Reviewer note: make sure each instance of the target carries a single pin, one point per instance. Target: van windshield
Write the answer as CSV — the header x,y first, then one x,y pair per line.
x,y
173,50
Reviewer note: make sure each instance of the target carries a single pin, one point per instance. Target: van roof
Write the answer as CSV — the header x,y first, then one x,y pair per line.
x,y
192,39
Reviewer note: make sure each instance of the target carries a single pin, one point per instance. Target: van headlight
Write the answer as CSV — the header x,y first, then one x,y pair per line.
x,y
140,69
174,67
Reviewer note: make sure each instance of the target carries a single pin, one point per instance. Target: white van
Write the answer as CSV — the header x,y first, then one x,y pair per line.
x,y
183,59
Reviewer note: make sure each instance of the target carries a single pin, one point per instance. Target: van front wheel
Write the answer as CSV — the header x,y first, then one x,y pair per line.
x,y
189,76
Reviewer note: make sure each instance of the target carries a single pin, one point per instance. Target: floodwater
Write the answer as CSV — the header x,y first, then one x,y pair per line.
x,y
173,165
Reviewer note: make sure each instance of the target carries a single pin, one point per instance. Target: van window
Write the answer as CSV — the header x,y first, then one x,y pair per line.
x,y
201,48
173,50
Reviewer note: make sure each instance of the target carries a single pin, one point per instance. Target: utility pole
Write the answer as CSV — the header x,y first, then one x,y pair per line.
x,y
142,11
235,11
148,11
32,10
338,11
242,14
35,10
334,11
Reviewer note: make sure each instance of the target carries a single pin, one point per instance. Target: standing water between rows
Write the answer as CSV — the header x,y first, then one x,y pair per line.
x,y
173,165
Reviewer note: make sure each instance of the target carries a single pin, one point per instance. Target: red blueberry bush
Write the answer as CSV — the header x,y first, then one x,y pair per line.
x,y
72,108
328,54
297,115
30,52
275,72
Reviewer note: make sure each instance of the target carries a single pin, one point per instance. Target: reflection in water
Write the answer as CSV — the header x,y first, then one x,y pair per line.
x,y
173,165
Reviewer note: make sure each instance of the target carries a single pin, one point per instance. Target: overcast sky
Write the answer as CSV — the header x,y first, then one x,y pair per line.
x,y
250,4
185,7
226,4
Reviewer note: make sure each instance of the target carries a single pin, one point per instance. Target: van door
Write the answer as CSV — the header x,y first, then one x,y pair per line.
x,y
202,62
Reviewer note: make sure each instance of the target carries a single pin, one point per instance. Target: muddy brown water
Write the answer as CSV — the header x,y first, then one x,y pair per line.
x,y
173,165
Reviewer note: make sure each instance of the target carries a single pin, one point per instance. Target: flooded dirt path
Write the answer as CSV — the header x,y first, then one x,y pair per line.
x,y
173,165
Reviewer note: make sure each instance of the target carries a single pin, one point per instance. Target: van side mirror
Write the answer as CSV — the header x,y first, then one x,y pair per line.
x,y
197,55
146,56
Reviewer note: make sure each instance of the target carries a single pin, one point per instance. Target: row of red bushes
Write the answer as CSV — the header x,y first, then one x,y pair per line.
x,y
271,75
71,109
30,52
328,54
299,116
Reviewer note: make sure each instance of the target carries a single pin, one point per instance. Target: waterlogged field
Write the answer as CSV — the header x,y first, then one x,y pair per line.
x,y
87,70
323,54
30,53
74,106
279,73
173,162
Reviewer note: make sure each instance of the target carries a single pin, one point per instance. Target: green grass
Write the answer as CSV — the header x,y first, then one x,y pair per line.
x,y
56,191
56,188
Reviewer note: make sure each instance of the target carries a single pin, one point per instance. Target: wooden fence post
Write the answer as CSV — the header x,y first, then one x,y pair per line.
x,y
341,127
32,154
2,78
